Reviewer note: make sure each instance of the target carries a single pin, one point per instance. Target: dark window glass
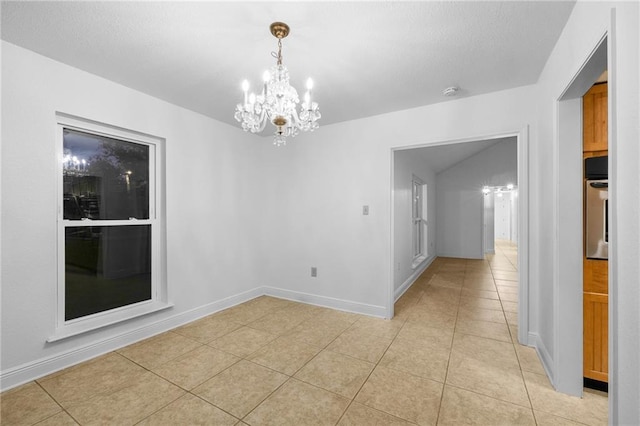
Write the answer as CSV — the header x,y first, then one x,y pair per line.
x,y
106,267
104,178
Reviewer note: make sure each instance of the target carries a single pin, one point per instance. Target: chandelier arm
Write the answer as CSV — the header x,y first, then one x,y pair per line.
x,y
263,120
296,119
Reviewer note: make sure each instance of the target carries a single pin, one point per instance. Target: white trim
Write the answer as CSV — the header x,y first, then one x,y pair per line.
x,y
616,403
567,223
522,136
47,365
418,238
390,308
418,261
413,277
523,234
458,256
327,302
546,360
94,322
159,292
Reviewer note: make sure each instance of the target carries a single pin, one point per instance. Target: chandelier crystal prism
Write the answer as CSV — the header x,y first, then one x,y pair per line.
x,y
278,101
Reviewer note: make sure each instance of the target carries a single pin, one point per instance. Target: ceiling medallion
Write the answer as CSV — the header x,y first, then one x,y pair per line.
x,y
278,100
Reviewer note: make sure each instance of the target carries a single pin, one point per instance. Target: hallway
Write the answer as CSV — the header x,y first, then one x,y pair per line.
x,y
449,357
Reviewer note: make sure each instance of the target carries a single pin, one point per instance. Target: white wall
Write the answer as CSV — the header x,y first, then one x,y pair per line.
x,y
309,194
489,224
459,198
406,165
212,184
319,182
550,322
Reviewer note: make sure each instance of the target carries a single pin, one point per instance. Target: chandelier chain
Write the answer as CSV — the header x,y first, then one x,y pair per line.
x,y
278,55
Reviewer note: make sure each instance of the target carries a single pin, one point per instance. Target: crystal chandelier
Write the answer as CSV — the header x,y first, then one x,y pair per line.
x,y
278,100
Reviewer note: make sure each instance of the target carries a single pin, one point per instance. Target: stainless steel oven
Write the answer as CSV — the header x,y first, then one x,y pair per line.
x,y
596,208
597,217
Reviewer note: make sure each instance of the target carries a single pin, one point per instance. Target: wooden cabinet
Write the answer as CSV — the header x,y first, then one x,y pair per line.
x,y
596,336
594,123
596,276
595,301
596,280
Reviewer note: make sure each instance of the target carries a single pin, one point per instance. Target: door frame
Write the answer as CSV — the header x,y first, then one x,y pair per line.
x,y
567,367
522,141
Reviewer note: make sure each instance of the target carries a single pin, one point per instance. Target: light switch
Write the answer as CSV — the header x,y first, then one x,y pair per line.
x,y
365,210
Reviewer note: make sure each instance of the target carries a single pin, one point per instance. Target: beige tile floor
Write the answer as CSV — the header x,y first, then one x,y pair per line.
x,y
449,357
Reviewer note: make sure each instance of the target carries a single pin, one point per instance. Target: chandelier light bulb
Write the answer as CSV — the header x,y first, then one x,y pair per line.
x,y
245,89
278,101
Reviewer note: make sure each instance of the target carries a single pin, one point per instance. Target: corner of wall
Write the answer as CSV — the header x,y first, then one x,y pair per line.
x,y
545,357
409,281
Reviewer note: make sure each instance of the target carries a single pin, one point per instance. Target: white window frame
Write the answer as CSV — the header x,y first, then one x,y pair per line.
x,y
418,220
159,291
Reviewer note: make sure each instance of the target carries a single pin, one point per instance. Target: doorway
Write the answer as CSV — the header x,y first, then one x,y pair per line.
x,y
500,210
400,283
568,216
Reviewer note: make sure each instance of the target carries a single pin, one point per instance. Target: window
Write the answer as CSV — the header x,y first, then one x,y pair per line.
x,y
109,229
419,220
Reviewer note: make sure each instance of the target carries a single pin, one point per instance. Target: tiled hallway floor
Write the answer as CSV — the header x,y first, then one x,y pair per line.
x,y
449,357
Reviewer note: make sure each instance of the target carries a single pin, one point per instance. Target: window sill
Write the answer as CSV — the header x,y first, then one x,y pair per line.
x,y
87,325
418,261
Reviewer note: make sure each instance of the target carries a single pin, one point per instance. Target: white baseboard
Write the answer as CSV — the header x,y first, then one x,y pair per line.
x,y
543,354
327,302
27,372
412,278
461,255
36,369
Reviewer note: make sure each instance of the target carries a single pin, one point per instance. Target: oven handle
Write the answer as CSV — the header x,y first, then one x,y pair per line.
x,y
599,184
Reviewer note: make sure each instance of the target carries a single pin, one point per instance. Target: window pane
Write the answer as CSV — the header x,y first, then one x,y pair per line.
x,y
106,267
104,178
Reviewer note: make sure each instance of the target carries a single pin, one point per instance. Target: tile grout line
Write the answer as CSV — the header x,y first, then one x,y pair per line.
x,y
64,410
455,326
370,373
189,391
524,382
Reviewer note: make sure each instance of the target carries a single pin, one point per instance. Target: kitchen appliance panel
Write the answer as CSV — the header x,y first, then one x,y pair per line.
x,y
597,203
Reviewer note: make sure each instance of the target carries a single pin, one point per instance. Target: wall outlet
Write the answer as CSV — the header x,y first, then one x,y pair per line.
x,y
314,271
365,210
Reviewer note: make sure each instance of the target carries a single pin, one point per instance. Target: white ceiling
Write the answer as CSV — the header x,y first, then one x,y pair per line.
x,y
366,58
441,157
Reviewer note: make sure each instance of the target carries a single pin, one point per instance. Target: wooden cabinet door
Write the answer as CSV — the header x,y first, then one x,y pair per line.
x,y
596,336
596,276
594,119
